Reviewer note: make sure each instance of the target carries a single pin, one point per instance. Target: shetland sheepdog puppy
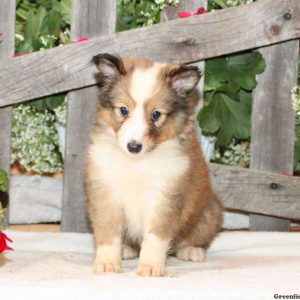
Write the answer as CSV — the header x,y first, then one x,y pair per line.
x,y
148,186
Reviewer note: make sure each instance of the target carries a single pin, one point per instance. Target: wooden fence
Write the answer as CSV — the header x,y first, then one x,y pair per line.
x,y
271,25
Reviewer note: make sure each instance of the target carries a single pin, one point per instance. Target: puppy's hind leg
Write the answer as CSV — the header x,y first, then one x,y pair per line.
x,y
129,252
190,253
192,247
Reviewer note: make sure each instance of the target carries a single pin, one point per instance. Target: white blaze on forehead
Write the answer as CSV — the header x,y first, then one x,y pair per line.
x,y
142,84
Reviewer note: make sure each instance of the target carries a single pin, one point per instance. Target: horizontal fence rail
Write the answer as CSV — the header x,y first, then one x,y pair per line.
x,y
257,191
180,41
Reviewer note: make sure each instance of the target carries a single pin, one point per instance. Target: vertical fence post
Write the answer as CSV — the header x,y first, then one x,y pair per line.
x,y
273,121
7,44
89,18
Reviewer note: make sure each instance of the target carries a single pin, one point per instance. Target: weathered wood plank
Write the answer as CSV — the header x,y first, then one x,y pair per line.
x,y
257,191
185,40
7,30
273,121
90,18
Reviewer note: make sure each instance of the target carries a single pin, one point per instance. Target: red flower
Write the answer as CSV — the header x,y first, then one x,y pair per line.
x,y
201,10
186,14
3,239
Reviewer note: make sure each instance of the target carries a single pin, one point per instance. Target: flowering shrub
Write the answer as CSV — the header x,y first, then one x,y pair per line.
x,y
217,4
35,139
296,106
236,154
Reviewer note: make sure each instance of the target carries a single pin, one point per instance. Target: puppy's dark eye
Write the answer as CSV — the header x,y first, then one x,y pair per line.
x,y
124,111
155,115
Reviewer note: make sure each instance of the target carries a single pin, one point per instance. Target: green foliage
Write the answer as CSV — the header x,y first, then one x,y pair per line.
x,y
43,24
35,140
40,24
3,181
236,154
48,103
297,156
138,13
228,84
220,4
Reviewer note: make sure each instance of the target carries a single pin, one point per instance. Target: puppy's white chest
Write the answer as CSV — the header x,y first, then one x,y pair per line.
x,y
140,185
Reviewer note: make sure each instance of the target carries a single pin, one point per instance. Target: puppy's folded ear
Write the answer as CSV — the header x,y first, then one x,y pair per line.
x,y
110,68
184,79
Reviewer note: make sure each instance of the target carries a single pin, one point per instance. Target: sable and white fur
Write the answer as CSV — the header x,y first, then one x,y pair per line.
x,y
157,201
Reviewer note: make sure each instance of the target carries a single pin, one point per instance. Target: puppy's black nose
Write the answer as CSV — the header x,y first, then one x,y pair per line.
x,y
134,147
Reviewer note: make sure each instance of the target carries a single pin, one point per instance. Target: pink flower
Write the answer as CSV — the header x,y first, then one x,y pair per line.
x,y
81,39
186,14
3,242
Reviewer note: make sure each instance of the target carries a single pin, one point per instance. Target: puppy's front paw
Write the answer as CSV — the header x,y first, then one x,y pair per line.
x,y
156,270
102,267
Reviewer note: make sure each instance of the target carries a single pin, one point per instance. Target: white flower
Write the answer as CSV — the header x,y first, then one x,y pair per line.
x,y
19,37
35,140
296,99
236,154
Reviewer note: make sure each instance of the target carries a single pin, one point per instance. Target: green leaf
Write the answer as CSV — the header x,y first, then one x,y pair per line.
x,y
3,181
66,6
34,27
243,69
226,117
54,20
221,3
207,119
237,71
228,86
50,102
215,73
297,156
24,47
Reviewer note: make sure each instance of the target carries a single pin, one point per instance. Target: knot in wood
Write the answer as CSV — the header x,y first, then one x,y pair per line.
x,y
190,41
274,185
275,29
287,16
